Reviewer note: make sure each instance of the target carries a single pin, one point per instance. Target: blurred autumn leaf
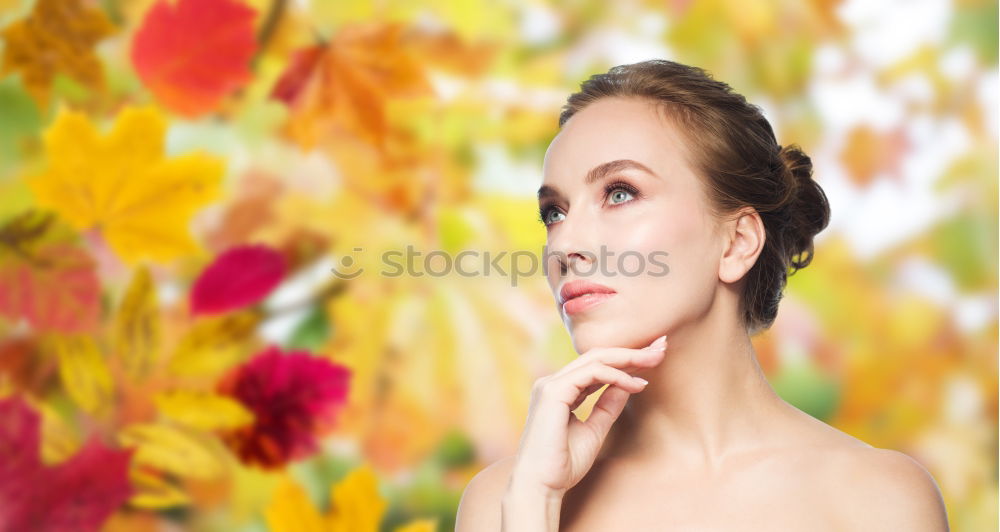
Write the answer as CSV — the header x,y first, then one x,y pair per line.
x,y
58,36
77,494
121,183
46,275
192,53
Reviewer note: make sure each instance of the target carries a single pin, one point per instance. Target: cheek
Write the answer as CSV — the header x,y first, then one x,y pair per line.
x,y
677,230
667,264
662,259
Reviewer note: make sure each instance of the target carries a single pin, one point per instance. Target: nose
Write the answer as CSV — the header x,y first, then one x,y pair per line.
x,y
577,262
568,247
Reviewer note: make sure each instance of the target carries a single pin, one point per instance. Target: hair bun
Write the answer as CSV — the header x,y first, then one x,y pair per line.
x,y
796,161
808,207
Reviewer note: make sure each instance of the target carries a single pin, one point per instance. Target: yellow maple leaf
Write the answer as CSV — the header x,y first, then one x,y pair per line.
x,y
123,184
355,506
57,36
290,509
355,503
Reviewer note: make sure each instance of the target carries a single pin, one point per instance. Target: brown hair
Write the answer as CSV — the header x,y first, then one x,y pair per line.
x,y
734,149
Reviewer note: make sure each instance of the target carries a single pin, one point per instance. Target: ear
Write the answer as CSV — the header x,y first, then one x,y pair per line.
x,y
744,240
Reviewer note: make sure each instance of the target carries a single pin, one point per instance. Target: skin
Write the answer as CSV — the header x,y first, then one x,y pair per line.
x,y
706,444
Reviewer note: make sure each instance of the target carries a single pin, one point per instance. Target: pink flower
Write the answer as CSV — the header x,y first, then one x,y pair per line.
x,y
292,395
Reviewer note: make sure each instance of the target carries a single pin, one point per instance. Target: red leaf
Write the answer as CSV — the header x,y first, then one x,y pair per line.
x,y
239,277
192,53
46,277
19,439
297,75
24,365
293,395
78,494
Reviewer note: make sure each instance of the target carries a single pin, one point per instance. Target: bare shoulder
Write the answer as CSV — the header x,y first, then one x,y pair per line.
x,y
884,489
860,486
479,508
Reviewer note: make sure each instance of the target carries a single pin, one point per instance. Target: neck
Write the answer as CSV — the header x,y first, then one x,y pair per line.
x,y
708,398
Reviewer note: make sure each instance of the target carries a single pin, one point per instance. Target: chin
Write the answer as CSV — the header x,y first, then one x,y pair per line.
x,y
620,330
596,332
589,334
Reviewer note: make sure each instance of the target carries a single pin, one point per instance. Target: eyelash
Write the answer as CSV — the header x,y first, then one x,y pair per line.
x,y
608,189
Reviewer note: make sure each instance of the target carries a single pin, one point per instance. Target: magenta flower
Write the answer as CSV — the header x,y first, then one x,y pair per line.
x,y
292,395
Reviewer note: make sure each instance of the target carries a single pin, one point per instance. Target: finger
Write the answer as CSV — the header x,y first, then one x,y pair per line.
x,y
620,357
606,410
585,394
567,388
627,360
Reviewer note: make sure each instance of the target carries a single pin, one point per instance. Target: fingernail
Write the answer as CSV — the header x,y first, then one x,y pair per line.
x,y
641,381
660,343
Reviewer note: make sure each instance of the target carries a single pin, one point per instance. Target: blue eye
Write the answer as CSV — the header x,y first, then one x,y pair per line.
x,y
544,215
621,191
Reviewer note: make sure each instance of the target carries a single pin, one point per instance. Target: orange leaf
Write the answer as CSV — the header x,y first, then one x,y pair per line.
x,y
58,36
869,153
250,210
348,83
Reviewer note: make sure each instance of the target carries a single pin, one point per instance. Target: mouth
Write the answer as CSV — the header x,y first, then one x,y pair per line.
x,y
578,296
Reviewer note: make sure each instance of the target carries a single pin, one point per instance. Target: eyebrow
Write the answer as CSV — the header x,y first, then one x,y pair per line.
x,y
598,173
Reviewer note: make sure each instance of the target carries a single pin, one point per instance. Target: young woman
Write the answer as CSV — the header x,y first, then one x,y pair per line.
x,y
673,219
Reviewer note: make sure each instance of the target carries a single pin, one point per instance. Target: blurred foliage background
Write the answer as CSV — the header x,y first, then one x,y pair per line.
x,y
179,180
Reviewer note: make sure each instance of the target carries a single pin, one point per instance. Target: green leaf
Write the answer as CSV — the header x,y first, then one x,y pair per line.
x,y
21,120
805,386
312,333
455,450
977,25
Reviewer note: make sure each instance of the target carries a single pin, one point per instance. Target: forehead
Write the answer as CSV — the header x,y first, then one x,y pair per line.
x,y
610,129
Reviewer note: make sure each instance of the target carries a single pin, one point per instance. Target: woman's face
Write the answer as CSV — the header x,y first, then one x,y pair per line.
x,y
648,236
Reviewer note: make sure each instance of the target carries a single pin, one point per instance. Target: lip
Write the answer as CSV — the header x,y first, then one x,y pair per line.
x,y
576,296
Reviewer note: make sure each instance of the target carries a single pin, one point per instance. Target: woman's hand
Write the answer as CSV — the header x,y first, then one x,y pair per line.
x,y
556,448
